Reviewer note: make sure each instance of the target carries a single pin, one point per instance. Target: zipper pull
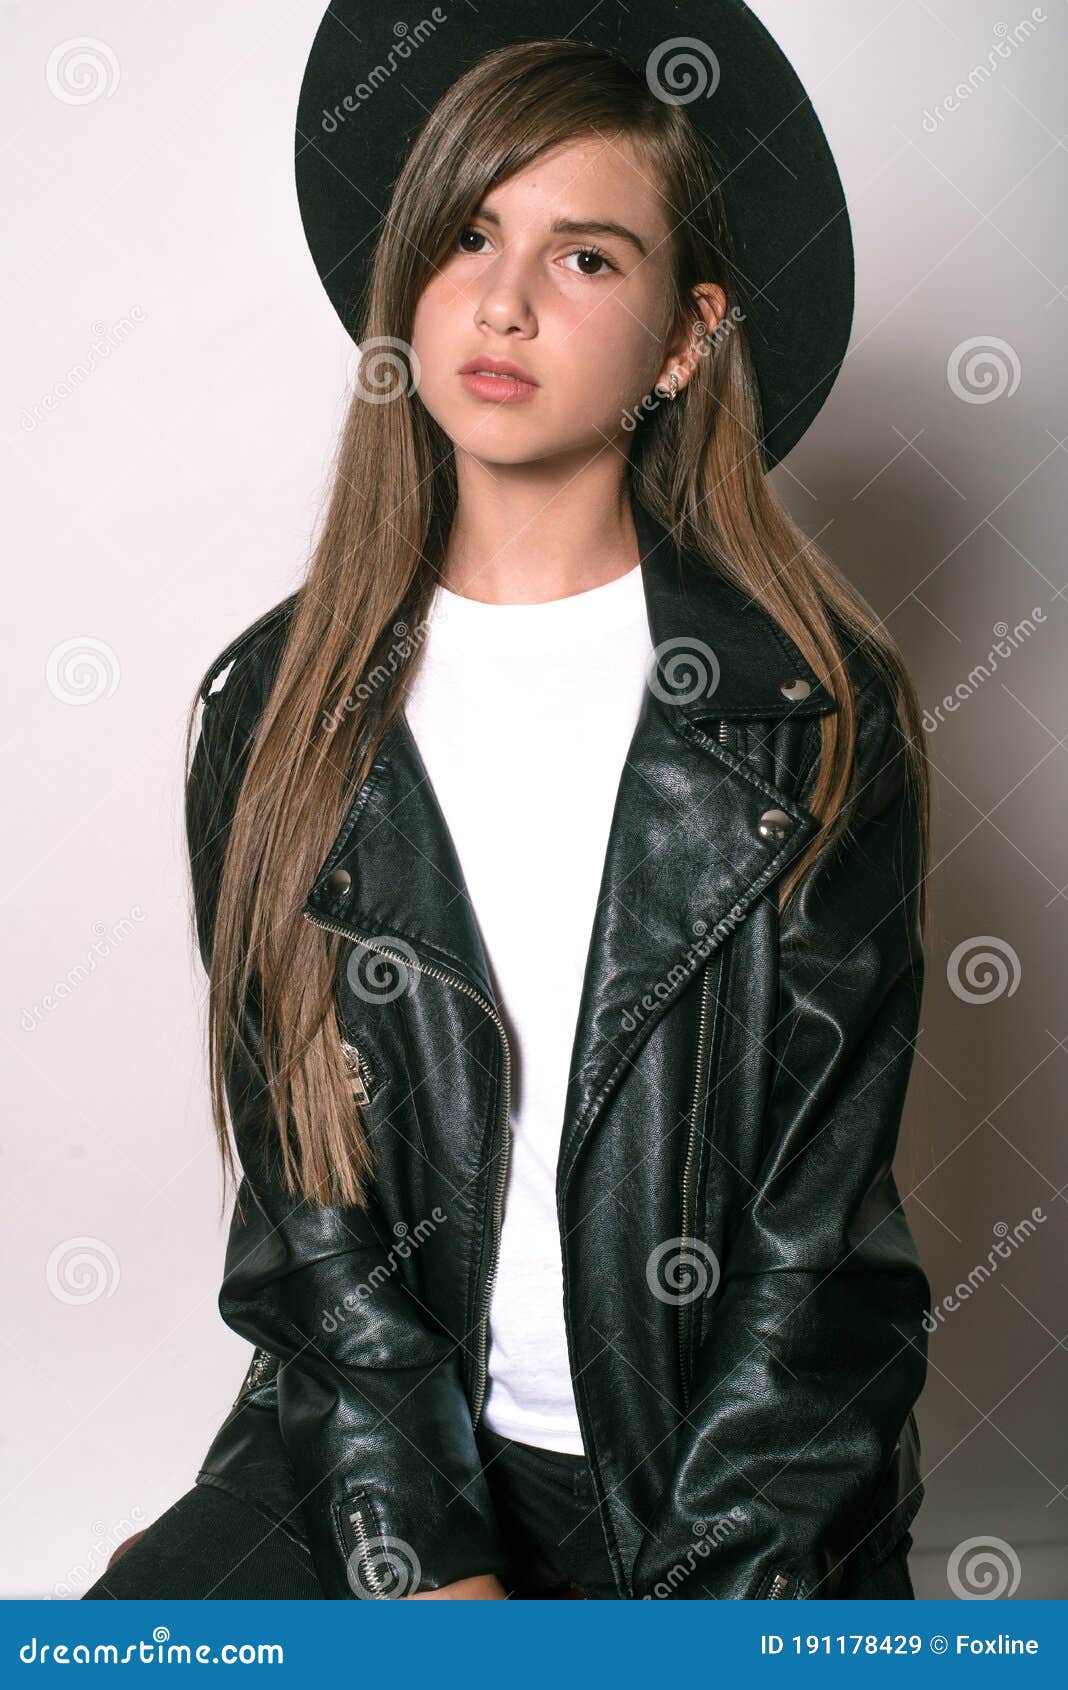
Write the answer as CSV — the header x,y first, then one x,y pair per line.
x,y
261,1360
359,1088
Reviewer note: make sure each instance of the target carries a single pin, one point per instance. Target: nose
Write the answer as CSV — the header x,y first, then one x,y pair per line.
x,y
505,305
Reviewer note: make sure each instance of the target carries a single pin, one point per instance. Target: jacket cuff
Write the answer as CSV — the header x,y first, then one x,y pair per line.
x,y
693,1579
390,1522
366,1547
743,1554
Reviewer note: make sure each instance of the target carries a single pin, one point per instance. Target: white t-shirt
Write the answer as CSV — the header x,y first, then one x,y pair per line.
x,y
523,714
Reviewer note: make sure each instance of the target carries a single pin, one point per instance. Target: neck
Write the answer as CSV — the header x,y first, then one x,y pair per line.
x,y
524,535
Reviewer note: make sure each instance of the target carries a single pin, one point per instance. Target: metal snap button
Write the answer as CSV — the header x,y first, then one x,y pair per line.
x,y
794,689
339,882
774,824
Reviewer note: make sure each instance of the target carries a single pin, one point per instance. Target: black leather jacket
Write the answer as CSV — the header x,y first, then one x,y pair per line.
x,y
743,1300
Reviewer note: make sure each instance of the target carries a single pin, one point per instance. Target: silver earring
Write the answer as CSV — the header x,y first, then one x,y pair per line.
x,y
673,386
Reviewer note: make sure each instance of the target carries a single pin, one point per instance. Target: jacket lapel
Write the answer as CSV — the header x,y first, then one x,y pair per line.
x,y
689,849
686,858
404,888
687,852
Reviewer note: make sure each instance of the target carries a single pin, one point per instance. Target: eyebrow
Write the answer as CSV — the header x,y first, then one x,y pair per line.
x,y
568,226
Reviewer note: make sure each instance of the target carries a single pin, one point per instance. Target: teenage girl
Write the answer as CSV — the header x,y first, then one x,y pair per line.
x,y
557,854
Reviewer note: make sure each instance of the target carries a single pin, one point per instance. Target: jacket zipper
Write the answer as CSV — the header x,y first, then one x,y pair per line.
x,y
691,1143
503,1125
781,1582
256,1369
691,1154
374,1580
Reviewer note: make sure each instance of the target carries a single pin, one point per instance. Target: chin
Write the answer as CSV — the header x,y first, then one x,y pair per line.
x,y
496,440
512,440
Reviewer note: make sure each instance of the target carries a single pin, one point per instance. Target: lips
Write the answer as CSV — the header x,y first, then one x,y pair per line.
x,y
498,381
501,368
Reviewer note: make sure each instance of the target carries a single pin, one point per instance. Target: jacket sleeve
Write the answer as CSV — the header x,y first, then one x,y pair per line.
x,y
814,1350
371,1406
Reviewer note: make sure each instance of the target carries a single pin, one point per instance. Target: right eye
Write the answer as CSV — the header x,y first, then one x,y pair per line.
x,y
476,234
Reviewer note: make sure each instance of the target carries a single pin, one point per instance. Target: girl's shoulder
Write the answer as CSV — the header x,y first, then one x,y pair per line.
x,y
231,697
246,666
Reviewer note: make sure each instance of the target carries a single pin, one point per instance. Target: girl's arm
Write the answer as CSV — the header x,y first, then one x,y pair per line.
x,y
814,1350
373,1414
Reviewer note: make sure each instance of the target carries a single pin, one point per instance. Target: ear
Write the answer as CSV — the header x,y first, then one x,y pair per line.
x,y
699,324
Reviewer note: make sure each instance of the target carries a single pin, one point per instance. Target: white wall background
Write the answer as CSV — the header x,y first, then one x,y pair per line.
x,y
174,381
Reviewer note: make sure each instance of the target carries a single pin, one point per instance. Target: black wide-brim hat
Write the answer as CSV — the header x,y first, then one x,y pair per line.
x,y
785,203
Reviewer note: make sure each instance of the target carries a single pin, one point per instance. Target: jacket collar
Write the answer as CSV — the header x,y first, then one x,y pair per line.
x,y
742,652
686,855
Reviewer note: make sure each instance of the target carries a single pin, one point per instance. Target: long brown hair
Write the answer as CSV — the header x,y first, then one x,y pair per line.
x,y
695,465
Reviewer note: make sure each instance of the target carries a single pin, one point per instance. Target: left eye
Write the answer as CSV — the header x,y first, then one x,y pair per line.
x,y
598,258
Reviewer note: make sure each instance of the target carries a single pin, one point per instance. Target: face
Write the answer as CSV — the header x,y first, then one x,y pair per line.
x,y
583,312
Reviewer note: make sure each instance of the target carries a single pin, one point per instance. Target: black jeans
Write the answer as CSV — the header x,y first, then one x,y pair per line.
x,y
210,1544
547,1510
